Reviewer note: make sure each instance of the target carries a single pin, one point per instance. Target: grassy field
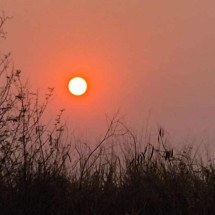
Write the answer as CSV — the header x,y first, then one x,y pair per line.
x,y
40,173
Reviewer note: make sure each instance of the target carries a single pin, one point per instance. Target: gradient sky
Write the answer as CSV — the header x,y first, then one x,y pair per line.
x,y
150,58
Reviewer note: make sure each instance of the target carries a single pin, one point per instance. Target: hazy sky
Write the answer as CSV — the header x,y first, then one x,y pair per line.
x,y
150,58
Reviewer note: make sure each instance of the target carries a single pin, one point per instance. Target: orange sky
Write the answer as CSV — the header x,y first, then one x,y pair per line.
x,y
142,56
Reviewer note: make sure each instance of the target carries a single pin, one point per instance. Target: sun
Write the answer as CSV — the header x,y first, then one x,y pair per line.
x,y
77,86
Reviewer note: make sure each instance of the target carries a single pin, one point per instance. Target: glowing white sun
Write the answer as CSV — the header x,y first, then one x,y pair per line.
x,y
77,86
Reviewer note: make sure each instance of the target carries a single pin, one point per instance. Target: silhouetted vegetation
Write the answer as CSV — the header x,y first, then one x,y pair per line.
x,y
41,172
